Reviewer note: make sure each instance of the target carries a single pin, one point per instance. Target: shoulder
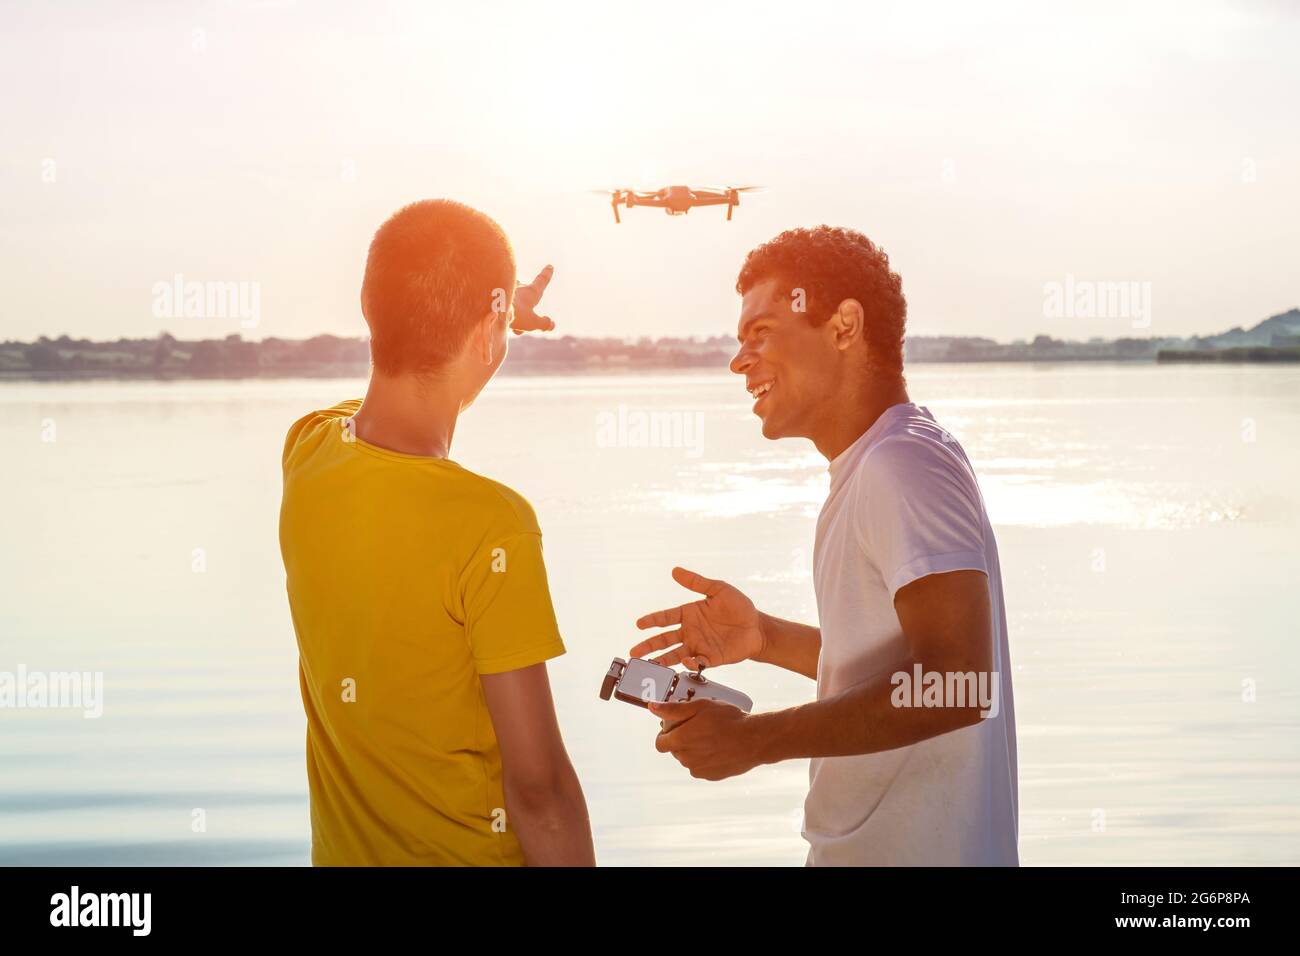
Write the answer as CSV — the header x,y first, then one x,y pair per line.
x,y
903,453
508,512
310,425
916,458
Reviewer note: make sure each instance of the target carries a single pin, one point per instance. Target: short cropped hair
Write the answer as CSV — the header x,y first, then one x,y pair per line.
x,y
434,268
831,264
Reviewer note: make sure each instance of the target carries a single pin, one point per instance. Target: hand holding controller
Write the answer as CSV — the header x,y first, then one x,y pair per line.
x,y
642,682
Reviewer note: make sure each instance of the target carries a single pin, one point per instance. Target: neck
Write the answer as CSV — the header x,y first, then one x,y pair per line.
x,y
409,415
852,415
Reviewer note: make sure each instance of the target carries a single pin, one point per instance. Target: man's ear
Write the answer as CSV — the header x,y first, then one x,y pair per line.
x,y
847,323
484,342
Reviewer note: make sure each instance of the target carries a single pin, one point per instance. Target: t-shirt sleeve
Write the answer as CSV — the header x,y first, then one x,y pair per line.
x,y
919,513
509,620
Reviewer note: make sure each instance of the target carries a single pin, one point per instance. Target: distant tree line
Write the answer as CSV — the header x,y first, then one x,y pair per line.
x,y
1277,338
236,357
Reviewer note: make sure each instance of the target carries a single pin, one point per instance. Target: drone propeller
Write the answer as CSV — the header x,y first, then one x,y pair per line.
x,y
618,192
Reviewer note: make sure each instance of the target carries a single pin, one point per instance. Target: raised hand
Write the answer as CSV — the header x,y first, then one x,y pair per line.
x,y
722,628
527,298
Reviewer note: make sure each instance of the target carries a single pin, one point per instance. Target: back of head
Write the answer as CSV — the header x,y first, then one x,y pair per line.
x,y
435,268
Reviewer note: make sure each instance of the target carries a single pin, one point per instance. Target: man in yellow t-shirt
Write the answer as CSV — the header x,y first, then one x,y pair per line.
x,y
417,587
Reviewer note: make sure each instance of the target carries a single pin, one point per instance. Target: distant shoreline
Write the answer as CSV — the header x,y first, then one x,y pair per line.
x,y
166,358
544,371
1234,356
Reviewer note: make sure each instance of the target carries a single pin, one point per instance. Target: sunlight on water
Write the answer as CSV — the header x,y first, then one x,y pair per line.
x,y
1146,517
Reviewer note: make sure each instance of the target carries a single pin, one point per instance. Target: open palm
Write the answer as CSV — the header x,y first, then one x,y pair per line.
x,y
723,628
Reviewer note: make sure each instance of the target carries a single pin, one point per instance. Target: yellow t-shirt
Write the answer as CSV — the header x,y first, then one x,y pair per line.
x,y
408,577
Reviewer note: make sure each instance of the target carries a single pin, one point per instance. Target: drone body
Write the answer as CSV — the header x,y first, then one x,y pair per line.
x,y
677,200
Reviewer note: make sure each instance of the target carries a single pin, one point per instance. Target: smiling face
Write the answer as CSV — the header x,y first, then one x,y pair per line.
x,y
792,368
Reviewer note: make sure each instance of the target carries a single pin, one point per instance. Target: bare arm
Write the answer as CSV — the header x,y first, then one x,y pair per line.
x,y
544,803
796,647
947,621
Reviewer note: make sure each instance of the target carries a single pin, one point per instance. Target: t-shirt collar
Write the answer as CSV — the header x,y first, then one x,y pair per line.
x,y
839,465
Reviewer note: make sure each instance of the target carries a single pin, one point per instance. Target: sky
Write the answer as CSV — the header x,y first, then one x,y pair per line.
x,y
994,150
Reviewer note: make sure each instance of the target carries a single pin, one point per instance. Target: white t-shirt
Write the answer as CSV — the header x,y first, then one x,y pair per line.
x,y
903,504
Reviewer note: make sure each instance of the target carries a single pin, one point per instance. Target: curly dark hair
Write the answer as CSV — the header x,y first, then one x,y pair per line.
x,y
832,264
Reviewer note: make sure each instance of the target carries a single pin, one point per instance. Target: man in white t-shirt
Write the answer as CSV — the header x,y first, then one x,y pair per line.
x,y
912,734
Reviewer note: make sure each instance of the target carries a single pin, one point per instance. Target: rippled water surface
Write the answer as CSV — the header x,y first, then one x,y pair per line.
x,y
1147,518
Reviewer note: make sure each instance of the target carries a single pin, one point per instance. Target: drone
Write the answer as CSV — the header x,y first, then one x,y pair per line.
x,y
677,200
